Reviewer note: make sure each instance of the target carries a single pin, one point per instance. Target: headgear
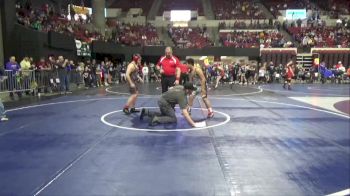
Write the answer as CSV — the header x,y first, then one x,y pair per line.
x,y
136,57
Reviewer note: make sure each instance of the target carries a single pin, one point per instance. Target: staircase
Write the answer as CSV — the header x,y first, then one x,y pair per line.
x,y
154,9
267,12
208,10
305,59
286,35
163,35
214,35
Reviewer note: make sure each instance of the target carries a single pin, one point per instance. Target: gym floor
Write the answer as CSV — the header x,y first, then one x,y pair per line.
x,y
262,141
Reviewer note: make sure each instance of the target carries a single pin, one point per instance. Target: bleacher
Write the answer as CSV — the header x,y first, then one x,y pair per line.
x,y
276,5
323,36
189,37
235,9
252,39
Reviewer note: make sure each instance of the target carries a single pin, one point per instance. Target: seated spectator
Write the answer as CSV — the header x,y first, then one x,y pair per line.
x,y
190,37
252,39
276,5
230,9
321,36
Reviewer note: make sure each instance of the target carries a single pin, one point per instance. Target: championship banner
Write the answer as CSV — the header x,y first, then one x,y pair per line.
x,y
83,48
80,10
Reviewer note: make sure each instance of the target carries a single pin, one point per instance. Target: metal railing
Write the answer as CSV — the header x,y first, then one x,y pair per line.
x,y
17,81
33,80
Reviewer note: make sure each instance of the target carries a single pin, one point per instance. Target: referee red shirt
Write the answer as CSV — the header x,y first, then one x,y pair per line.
x,y
169,65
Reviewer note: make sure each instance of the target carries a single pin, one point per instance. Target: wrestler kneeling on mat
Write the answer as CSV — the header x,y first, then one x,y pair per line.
x,y
132,76
175,95
197,77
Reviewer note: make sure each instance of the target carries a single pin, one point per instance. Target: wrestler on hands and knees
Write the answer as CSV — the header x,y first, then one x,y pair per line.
x,y
175,95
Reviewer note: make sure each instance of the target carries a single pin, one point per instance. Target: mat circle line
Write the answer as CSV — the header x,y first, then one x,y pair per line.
x,y
260,90
103,120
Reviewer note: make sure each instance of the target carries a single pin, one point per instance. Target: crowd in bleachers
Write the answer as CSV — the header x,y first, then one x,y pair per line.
x,y
235,9
316,33
335,8
256,24
254,39
133,34
190,37
46,19
321,36
276,5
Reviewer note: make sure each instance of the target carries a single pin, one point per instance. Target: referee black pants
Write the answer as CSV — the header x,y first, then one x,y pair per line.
x,y
167,81
184,78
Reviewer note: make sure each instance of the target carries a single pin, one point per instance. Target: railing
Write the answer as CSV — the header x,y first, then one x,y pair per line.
x,y
17,81
33,80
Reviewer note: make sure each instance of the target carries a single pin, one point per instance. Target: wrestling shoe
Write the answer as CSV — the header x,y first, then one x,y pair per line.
x,y
134,110
4,118
143,112
126,111
210,115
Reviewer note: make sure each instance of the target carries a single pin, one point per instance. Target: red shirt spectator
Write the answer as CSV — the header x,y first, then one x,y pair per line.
x,y
42,65
337,66
183,68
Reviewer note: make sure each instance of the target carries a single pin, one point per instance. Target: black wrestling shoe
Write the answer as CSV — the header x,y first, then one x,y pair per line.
x,y
143,112
134,110
126,111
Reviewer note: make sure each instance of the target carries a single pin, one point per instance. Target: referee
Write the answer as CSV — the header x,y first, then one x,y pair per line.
x,y
169,69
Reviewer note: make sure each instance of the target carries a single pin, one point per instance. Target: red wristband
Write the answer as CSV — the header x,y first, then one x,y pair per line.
x,y
177,78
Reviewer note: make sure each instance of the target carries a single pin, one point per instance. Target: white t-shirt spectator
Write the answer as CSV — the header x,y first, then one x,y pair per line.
x,y
145,70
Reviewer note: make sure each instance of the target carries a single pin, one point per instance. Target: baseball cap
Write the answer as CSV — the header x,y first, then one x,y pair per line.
x,y
189,86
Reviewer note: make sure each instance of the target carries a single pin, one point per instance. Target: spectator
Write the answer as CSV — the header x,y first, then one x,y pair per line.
x,y
13,70
145,72
42,65
93,73
26,68
299,22
61,65
123,72
98,75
